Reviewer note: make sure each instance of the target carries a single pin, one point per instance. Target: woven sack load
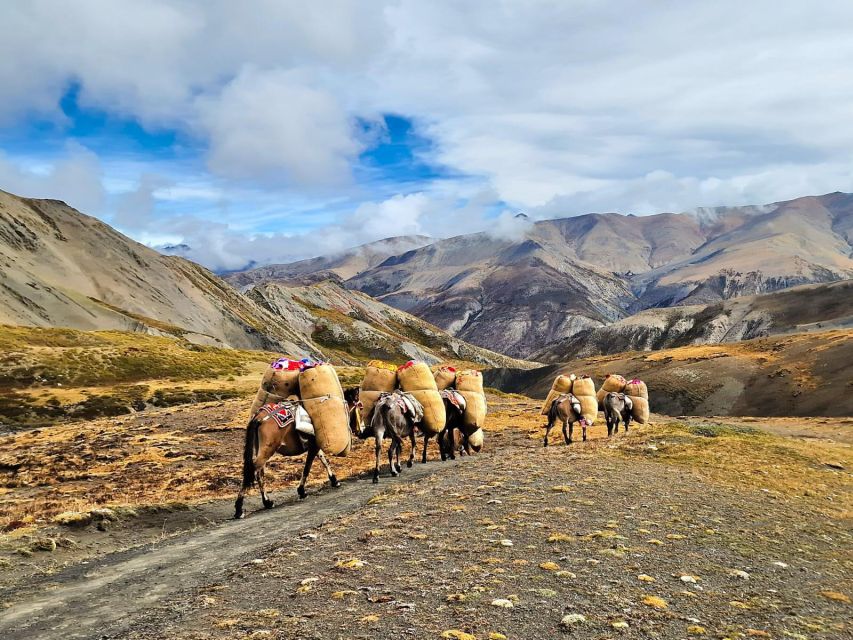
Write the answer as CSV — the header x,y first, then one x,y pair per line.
x,y
445,377
471,380
323,399
281,382
640,410
583,389
613,382
368,401
265,397
475,440
416,378
562,384
637,389
474,417
379,376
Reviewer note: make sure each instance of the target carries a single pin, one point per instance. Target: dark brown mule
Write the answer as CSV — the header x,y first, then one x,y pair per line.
x,y
567,410
617,406
447,437
265,438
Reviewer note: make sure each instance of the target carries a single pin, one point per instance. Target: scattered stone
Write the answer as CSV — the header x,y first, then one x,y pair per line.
x,y
654,602
689,579
549,566
836,595
621,625
494,635
502,602
738,573
572,619
644,578
781,565
696,630
455,634
351,564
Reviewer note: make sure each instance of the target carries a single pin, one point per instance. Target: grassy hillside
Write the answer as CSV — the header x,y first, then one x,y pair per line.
x,y
52,374
796,375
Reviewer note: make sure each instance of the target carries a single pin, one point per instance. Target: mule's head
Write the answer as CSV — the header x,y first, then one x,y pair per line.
x,y
355,408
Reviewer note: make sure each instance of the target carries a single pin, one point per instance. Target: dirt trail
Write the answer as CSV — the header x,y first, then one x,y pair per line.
x,y
93,600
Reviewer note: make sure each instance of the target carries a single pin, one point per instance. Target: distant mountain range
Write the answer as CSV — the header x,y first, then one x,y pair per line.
x,y
566,276
61,268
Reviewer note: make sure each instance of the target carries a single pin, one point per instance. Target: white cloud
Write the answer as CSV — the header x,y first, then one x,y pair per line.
x,y
554,108
75,177
273,126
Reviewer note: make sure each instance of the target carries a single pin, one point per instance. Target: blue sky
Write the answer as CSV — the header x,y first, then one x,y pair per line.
x,y
265,132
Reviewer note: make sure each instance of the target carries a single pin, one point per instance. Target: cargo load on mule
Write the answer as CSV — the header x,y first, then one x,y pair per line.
x,y
280,382
613,383
562,384
583,389
323,399
379,377
470,385
417,378
445,377
639,393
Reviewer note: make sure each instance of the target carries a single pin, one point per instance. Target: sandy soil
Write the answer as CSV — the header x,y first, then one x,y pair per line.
x,y
713,529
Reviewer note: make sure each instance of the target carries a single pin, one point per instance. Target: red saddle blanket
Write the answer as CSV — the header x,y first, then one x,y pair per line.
x,y
283,413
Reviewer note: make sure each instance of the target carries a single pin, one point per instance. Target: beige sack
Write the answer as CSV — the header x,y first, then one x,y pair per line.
x,y
445,377
470,380
476,440
416,376
475,410
379,376
613,382
281,382
589,408
435,416
265,397
562,384
637,388
368,400
323,399
599,396
640,410
584,386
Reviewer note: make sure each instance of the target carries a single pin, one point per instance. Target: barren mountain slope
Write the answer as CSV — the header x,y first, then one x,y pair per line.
x,y
567,275
351,326
504,295
804,374
802,241
59,267
805,308
346,264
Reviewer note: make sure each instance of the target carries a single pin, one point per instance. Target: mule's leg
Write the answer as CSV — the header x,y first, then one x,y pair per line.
x,y
413,440
627,420
547,430
566,436
571,430
268,503
583,425
398,451
309,460
333,479
442,443
379,433
424,452
391,466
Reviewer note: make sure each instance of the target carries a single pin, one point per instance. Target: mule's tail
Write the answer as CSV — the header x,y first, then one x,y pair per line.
x,y
552,411
249,448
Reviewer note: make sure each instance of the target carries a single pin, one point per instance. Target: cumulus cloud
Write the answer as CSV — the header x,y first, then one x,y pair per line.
x,y
554,109
272,125
75,177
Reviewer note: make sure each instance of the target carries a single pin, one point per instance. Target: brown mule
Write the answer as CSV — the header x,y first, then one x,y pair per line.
x,y
265,438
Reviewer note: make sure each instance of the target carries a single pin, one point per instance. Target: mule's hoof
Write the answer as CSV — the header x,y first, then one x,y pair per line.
x,y
269,504
300,491
409,464
375,480
334,482
239,515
